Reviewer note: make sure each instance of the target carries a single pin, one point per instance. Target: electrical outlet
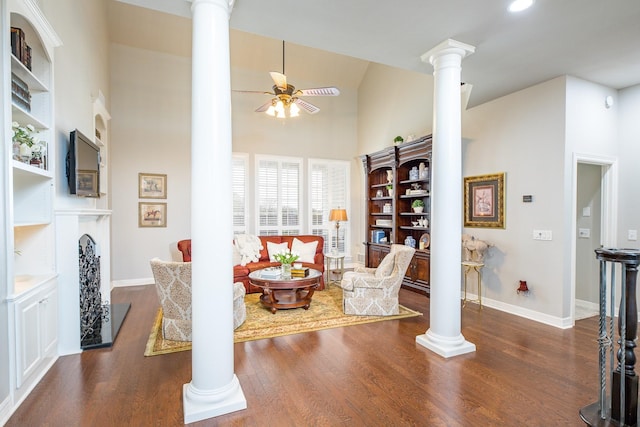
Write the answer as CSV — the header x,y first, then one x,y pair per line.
x,y
632,235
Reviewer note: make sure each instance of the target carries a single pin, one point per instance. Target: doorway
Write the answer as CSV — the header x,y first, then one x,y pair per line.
x,y
594,226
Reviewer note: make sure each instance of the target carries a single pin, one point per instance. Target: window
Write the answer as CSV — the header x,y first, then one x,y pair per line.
x,y
239,170
278,202
328,189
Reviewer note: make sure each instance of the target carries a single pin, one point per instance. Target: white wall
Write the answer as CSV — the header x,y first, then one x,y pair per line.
x,y
81,71
522,134
151,133
628,103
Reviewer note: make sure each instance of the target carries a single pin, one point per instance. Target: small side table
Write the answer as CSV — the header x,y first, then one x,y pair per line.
x,y
477,266
334,266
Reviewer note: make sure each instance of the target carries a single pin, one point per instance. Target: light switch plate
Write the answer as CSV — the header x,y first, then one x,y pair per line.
x,y
584,233
632,235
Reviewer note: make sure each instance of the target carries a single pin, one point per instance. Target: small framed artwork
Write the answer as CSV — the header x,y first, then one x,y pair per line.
x,y
87,181
152,214
484,202
152,186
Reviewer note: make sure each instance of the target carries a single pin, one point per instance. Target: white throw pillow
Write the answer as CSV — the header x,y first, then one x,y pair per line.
x,y
276,248
307,251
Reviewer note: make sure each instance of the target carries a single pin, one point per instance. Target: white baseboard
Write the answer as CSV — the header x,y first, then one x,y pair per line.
x,y
132,282
558,322
5,410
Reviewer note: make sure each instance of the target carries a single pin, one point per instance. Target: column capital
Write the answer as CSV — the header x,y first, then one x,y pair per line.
x,y
446,47
223,3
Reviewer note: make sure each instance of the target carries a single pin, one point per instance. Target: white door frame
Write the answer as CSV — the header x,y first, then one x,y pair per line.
x,y
609,203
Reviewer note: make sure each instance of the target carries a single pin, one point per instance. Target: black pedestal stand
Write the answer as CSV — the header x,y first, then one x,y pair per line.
x,y
622,407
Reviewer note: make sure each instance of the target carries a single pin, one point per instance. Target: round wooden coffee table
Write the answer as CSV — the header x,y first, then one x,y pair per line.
x,y
283,293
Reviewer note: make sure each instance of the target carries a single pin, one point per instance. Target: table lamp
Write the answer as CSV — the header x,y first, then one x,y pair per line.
x,y
337,215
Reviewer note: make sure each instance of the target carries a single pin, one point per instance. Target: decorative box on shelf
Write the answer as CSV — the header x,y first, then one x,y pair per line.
x,y
384,222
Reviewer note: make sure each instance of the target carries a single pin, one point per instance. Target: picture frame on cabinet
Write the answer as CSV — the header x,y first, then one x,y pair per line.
x,y
87,181
152,186
484,201
152,214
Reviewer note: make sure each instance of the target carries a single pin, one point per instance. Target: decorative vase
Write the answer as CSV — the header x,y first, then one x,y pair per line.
x,y
25,153
390,176
285,269
418,209
390,190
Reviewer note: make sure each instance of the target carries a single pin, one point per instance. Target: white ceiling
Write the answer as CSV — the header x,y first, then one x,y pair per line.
x,y
595,40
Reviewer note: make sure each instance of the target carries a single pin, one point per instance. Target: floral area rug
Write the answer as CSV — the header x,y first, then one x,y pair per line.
x,y
325,312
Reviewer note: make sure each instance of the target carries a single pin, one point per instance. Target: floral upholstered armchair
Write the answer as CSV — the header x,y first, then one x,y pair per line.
x,y
374,291
173,285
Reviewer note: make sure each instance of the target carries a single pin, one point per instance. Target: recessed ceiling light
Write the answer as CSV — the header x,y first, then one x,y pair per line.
x,y
520,5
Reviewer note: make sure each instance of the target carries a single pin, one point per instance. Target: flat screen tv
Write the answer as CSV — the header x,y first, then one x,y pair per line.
x,y
83,166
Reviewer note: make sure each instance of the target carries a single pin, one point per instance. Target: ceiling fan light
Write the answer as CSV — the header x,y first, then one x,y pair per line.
x,y
279,107
271,111
295,110
280,114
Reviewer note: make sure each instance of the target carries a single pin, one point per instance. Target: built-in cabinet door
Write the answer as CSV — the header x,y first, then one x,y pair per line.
x,y
28,349
36,331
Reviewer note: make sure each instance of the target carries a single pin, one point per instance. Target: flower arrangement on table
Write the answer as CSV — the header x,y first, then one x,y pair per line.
x,y
286,257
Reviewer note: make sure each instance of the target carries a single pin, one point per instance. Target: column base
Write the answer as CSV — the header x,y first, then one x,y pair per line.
x,y
198,405
445,346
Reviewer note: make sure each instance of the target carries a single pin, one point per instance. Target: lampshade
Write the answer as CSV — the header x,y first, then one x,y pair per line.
x,y
338,215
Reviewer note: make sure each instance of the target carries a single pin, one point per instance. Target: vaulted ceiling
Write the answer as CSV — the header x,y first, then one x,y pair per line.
x,y
594,40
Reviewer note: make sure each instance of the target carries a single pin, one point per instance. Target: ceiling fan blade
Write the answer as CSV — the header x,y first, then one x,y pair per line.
x,y
254,91
279,79
306,106
319,91
264,107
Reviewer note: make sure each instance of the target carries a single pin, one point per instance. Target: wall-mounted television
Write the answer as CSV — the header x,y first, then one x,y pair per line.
x,y
83,166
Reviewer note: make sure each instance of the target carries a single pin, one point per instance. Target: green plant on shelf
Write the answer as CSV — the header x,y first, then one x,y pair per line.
x,y
417,203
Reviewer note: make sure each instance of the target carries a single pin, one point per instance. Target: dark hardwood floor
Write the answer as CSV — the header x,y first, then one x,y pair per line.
x,y
522,374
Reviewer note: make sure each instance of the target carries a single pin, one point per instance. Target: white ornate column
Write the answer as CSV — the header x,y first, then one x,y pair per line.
x,y
444,336
214,388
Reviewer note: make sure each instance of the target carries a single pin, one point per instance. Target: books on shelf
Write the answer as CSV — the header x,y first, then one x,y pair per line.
x,y
19,47
20,94
300,272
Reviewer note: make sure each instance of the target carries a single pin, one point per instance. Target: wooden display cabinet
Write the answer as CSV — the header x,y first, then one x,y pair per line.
x,y
393,214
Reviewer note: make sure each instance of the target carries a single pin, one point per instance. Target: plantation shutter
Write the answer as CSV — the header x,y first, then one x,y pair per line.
x,y
329,181
239,188
278,196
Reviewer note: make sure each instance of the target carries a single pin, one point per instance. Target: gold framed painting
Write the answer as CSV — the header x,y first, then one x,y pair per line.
x,y
484,201
152,186
152,214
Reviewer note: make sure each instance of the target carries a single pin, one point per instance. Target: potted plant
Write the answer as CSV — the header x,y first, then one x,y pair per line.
x,y
398,140
390,190
417,205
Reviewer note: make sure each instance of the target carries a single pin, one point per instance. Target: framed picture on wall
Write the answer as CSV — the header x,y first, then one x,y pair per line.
x,y
152,186
152,214
484,201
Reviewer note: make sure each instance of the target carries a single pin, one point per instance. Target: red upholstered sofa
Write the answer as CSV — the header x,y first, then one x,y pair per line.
x,y
241,272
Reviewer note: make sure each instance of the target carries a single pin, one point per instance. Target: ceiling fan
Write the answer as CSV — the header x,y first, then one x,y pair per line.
x,y
286,97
